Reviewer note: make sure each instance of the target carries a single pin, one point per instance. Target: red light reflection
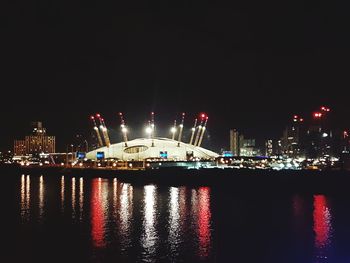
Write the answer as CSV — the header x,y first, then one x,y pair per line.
x,y
204,217
322,226
322,221
97,214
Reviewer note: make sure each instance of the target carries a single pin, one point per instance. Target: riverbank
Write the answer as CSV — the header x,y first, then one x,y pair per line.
x,y
237,179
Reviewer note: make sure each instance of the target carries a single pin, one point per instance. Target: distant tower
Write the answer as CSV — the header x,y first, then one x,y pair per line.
x,y
234,142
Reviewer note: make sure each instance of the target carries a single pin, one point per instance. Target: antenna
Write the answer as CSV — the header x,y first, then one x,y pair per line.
x,y
181,128
99,139
124,129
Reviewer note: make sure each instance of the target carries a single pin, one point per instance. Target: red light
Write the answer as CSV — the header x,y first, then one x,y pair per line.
x,y
295,116
317,115
202,116
92,117
323,108
301,120
98,115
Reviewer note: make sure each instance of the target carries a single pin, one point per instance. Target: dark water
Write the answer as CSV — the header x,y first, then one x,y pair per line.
x,y
65,219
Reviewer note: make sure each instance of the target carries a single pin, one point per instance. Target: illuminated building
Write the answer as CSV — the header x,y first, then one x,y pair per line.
x,y
234,142
157,148
19,147
268,148
151,147
36,143
291,141
247,147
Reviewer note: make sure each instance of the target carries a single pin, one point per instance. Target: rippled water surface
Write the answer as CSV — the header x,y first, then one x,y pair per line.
x,y
72,219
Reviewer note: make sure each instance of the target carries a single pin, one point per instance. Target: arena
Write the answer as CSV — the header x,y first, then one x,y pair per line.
x,y
147,149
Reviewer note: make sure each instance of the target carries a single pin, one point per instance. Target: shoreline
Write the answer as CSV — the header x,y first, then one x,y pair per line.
x,y
237,179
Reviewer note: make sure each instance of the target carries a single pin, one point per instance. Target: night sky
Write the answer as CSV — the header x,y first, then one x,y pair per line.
x,y
249,65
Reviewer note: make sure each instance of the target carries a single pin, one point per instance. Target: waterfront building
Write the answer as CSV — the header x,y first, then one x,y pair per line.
x,y
36,143
19,147
234,142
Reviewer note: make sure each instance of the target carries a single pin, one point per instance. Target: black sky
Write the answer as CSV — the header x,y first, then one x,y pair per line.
x,y
248,64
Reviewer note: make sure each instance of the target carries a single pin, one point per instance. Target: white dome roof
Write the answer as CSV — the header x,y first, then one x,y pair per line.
x,y
140,149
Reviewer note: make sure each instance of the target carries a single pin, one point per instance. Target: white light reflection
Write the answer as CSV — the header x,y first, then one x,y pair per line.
x,y
27,197
23,195
73,198
174,218
81,197
41,197
115,196
149,236
126,204
62,193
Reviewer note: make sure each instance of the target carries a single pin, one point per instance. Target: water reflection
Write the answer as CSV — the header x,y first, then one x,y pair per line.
x,y
149,235
174,218
204,224
81,197
99,192
322,228
125,214
41,197
73,198
62,194
25,197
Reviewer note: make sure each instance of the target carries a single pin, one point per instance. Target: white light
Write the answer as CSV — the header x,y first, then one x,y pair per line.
x,y
181,125
148,130
173,130
124,130
324,135
193,129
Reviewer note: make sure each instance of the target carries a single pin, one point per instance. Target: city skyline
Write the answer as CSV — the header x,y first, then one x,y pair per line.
x,y
163,129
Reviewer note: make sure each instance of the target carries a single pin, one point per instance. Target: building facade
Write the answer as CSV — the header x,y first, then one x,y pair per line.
x,y
19,147
37,142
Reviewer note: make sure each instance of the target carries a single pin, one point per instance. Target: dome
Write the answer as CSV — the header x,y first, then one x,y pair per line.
x,y
142,148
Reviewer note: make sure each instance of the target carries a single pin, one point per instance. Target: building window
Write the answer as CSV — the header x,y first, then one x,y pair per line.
x,y
136,149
